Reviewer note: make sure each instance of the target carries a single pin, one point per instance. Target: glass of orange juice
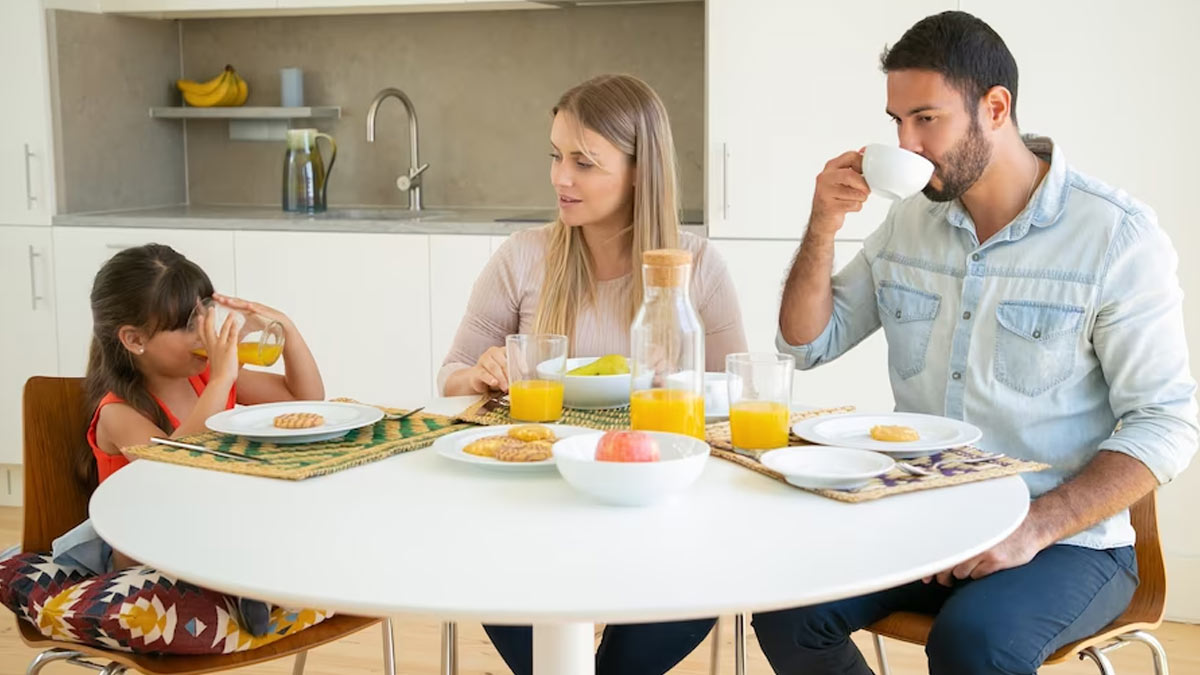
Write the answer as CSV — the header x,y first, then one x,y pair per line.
x,y
260,340
536,365
760,395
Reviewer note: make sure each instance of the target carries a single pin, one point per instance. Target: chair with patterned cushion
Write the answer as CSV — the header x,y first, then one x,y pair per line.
x,y
55,420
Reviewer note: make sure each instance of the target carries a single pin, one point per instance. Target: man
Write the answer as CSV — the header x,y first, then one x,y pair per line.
x,y
1028,299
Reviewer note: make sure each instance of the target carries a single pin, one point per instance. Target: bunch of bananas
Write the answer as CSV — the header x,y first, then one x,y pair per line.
x,y
226,89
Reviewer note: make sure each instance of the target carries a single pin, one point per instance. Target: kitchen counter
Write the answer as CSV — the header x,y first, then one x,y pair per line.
x,y
433,220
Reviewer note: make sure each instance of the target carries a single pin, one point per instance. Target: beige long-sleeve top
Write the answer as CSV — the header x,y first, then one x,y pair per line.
x,y
504,301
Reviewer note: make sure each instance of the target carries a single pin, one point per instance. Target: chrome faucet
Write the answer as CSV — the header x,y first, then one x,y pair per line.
x,y
412,181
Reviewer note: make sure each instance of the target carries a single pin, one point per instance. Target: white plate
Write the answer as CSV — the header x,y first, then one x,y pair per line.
x,y
257,422
451,446
854,431
825,468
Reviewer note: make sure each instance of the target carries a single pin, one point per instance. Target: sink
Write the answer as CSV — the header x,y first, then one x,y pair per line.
x,y
382,213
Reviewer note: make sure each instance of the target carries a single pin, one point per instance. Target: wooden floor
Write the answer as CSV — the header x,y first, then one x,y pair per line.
x,y
418,645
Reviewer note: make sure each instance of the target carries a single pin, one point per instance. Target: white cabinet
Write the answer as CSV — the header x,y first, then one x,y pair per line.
x,y
408,5
81,251
360,300
790,85
454,263
381,4
859,377
152,6
190,8
26,176
27,344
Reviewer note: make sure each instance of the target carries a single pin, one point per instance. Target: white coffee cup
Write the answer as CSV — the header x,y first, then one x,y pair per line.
x,y
894,172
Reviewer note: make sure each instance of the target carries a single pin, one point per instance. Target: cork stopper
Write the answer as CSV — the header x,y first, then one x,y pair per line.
x,y
667,267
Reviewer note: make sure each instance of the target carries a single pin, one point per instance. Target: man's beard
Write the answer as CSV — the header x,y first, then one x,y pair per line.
x,y
963,165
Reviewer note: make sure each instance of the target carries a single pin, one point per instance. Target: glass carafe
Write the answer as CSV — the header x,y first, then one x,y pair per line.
x,y
305,174
667,349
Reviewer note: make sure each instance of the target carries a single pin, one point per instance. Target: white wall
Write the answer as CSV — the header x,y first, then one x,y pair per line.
x,y
1114,83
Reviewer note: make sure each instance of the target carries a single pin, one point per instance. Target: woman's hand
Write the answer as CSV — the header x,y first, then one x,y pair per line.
x,y
490,372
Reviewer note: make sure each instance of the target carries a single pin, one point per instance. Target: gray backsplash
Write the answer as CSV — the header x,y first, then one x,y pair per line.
x,y
107,71
482,84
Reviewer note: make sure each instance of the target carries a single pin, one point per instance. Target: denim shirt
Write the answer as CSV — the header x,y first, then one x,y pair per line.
x,y
1059,337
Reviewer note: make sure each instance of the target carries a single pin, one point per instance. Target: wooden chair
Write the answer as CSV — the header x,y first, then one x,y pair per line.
x,y
1145,611
55,501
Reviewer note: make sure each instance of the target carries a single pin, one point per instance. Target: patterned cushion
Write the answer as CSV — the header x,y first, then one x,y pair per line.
x,y
137,609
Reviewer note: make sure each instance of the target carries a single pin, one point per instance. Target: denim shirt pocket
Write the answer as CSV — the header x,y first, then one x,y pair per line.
x,y
907,316
1036,344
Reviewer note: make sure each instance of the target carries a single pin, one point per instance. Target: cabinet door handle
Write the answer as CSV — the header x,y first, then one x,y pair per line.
x,y
33,291
29,196
725,181
118,247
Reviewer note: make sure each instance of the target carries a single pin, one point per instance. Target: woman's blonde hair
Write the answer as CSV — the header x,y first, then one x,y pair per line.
x,y
628,114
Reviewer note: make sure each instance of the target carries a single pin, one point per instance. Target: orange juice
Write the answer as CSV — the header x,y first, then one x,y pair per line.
x,y
252,353
536,400
673,410
759,425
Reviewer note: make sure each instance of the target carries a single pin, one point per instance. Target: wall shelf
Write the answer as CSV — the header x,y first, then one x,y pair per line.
x,y
247,112
251,123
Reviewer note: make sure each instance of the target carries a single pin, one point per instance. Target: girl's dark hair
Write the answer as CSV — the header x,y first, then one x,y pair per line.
x,y
150,287
963,49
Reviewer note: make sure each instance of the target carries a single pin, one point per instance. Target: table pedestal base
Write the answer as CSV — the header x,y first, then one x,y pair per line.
x,y
564,649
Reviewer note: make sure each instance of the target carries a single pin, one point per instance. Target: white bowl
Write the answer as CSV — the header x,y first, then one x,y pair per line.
x,y
827,468
681,462
894,172
589,392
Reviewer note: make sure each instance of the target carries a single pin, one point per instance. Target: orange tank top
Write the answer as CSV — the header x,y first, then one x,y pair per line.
x,y
108,464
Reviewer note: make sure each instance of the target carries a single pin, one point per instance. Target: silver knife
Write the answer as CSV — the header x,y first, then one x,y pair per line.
x,y
210,451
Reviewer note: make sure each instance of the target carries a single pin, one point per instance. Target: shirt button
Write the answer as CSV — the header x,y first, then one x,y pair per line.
x,y
956,375
966,316
1037,334
975,257
898,313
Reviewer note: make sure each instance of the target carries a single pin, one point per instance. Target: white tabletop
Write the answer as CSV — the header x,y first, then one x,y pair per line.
x,y
418,533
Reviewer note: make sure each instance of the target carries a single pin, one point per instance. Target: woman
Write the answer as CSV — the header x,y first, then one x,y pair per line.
x,y
613,169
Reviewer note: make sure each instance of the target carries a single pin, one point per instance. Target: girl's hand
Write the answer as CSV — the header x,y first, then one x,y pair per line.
x,y
253,308
221,347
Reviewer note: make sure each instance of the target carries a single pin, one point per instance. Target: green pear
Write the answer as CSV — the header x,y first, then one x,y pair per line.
x,y
611,364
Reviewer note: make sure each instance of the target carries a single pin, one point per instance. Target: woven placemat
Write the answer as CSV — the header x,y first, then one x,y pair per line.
x,y
720,438
297,462
898,481
494,410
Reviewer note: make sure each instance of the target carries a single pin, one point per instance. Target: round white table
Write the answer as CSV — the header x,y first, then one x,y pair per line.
x,y
421,534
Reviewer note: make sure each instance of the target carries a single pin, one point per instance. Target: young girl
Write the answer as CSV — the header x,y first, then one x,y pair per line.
x,y
613,169
145,379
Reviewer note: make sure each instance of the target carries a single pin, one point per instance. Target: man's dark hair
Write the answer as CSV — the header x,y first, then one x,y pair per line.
x,y
963,49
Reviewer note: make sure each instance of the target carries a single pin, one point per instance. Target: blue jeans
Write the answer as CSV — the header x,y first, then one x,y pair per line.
x,y
1008,622
630,649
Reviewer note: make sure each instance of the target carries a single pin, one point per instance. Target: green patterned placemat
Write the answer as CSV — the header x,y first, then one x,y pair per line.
x,y
297,462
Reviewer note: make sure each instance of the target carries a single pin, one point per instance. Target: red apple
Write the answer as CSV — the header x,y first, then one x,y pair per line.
x,y
626,446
